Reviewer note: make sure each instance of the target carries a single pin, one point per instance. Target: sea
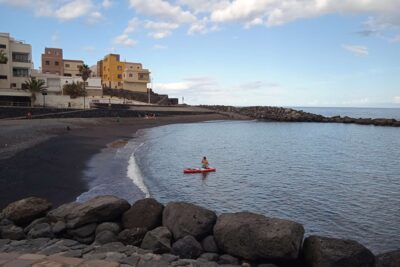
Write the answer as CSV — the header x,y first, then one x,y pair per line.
x,y
338,180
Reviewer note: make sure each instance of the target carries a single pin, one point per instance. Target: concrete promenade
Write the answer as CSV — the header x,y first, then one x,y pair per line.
x,y
37,260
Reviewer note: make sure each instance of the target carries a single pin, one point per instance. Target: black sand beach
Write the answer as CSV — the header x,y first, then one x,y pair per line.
x,y
53,168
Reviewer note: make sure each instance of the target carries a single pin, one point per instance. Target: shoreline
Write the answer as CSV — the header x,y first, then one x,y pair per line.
x,y
53,168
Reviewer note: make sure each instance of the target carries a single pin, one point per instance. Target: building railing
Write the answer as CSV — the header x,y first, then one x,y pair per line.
x,y
14,104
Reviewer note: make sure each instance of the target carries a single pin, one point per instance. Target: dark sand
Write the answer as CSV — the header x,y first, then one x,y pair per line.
x,y
53,169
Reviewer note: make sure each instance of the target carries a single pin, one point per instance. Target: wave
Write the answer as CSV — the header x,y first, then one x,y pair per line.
x,y
134,173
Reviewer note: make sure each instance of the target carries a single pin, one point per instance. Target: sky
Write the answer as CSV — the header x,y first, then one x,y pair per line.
x,y
324,53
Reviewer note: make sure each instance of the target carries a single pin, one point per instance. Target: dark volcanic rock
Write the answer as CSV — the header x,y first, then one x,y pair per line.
x,y
187,219
187,248
12,232
158,240
253,236
145,213
35,222
83,231
228,259
105,237
98,209
331,252
388,259
41,230
209,244
108,226
133,236
24,211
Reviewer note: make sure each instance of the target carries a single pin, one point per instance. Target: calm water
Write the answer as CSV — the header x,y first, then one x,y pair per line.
x,y
388,113
337,180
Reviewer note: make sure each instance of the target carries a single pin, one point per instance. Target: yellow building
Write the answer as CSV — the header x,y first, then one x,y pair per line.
x,y
116,74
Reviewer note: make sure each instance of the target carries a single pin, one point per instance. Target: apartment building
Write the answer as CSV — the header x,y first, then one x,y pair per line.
x,y
15,68
52,61
117,74
71,67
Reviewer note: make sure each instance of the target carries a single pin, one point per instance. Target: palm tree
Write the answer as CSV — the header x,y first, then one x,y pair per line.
x,y
85,72
34,86
3,57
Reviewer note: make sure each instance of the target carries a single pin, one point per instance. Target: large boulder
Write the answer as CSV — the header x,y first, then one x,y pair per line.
x,y
145,213
12,232
253,236
209,244
133,236
98,209
332,252
24,211
388,259
158,240
187,248
184,219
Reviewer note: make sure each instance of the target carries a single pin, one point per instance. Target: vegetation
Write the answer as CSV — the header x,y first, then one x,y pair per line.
x,y
3,57
34,86
85,72
74,90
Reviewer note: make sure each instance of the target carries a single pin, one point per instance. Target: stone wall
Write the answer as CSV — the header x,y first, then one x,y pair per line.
x,y
147,233
292,115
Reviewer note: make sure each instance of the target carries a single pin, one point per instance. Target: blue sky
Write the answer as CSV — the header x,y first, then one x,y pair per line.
x,y
233,52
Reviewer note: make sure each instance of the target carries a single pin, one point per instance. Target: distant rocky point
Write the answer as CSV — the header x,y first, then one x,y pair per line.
x,y
148,233
292,115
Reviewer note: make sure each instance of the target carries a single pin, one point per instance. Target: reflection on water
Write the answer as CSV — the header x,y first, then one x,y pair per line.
x,y
336,179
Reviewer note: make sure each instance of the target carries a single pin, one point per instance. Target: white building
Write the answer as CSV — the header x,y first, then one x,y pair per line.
x,y
15,69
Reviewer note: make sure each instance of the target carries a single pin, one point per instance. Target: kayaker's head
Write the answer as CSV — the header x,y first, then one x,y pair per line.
x,y
204,158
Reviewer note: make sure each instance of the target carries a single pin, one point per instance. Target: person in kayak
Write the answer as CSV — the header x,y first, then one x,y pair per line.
x,y
204,163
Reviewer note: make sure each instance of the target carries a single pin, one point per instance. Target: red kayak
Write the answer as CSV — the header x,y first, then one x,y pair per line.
x,y
198,170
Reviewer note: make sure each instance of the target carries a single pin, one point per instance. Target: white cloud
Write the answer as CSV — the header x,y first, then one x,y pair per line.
x,y
74,9
63,10
277,12
133,24
207,90
163,10
395,39
160,30
124,39
396,99
357,49
106,3
94,17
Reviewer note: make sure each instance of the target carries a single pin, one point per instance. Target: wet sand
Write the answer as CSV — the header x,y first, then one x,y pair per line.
x,y
43,158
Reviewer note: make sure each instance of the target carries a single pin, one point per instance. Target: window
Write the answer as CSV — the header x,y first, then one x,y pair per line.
x,y
78,66
20,72
47,62
20,57
56,63
119,76
138,67
3,77
24,86
67,65
3,46
67,74
119,67
13,85
130,75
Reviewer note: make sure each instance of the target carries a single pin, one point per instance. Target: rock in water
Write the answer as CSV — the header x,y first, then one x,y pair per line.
x,y
24,211
158,240
143,213
184,219
98,209
253,236
331,252
388,259
187,248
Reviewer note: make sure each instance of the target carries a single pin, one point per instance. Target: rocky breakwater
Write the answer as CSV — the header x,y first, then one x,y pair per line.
x,y
147,233
292,115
